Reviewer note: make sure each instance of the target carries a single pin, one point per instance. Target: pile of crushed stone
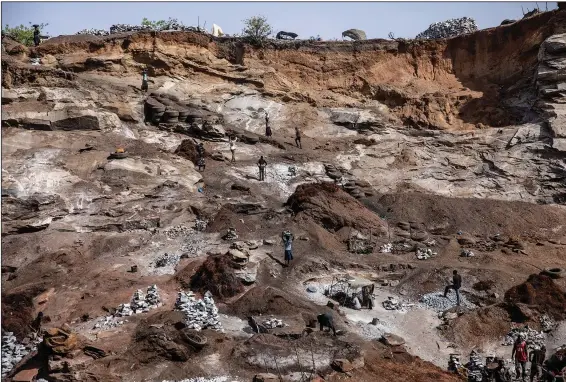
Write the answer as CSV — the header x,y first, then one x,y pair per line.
x,y
199,314
169,25
205,379
449,28
437,302
532,337
14,351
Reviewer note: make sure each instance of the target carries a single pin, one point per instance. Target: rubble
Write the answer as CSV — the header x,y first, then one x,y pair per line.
x,y
424,254
199,313
231,234
201,224
386,248
449,28
547,324
392,304
94,32
466,253
108,322
170,25
167,260
272,323
437,302
204,379
13,351
140,303
532,337
179,230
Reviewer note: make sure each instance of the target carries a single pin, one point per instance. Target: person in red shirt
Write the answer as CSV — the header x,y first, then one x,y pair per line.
x,y
520,356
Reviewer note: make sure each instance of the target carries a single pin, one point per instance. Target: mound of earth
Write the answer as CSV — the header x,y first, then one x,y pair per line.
x,y
188,150
17,311
217,276
539,291
332,208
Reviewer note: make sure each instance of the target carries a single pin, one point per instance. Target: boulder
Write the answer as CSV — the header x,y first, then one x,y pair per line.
x,y
343,365
36,124
26,375
122,110
74,119
392,340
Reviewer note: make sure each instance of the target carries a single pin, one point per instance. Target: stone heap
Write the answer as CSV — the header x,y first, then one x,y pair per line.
x,y
533,337
272,323
425,253
231,234
94,32
199,313
437,302
179,230
200,225
449,28
386,248
546,323
108,322
166,260
475,367
466,253
392,304
140,303
13,351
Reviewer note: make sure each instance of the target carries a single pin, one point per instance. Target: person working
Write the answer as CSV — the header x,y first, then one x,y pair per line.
x,y
456,284
232,141
261,163
519,355
288,242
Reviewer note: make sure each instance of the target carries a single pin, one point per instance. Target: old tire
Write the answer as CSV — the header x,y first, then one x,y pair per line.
x,y
196,340
554,273
171,114
419,236
183,115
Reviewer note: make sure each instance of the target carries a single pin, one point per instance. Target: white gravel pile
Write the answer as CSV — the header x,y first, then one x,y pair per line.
x,y
94,32
199,313
370,331
449,28
386,248
140,303
108,322
178,230
467,253
272,323
437,302
533,337
424,254
165,264
13,351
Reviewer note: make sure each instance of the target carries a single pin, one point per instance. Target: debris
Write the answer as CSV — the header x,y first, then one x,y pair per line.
x,y
547,324
466,253
272,323
386,248
13,351
140,303
231,234
392,304
392,339
199,313
200,224
166,260
532,337
449,28
424,254
205,379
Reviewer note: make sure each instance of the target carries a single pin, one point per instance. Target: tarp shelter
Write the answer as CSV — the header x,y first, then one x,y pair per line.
x,y
217,31
282,35
355,34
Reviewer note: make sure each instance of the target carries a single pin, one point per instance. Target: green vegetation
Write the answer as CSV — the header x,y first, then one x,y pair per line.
x,y
257,30
22,34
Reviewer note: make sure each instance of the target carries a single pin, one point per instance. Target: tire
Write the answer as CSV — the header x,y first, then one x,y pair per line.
x,y
419,236
196,340
170,120
554,273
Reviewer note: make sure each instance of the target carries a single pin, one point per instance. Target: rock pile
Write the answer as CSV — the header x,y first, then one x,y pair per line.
x,y
386,248
199,313
94,32
108,322
179,230
166,260
449,28
13,351
425,253
392,304
200,225
475,367
466,253
547,324
356,188
204,379
437,302
140,303
231,234
532,337
272,323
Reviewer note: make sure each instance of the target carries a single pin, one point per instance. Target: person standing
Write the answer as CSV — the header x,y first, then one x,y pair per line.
x,y
145,85
232,140
201,164
36,38
298,138
261,163
456,284
326,320
519,355
536,358
268,132
288,242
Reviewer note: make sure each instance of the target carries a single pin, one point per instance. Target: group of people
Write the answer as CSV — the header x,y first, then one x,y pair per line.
x,y
521,356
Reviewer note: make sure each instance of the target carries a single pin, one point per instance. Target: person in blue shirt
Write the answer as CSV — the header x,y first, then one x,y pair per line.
x,y
288,242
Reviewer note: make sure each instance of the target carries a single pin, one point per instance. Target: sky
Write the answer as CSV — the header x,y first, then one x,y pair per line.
x,y
327,19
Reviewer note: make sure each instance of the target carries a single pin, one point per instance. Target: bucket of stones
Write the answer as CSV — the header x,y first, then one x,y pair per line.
x,y
198,341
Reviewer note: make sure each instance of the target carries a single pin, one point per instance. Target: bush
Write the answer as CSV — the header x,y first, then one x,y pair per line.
x,y
256,30
22,34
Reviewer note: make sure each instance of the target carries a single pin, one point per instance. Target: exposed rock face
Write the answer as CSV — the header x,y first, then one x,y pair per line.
x,y
551,84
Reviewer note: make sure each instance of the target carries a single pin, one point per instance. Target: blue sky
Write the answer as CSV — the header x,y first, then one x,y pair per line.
x,y
328,19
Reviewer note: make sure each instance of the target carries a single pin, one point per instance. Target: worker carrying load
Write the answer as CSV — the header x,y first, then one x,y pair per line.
x,y
288,238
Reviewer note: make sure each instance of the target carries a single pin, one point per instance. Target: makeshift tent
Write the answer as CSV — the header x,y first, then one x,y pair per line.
x,y
283,35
